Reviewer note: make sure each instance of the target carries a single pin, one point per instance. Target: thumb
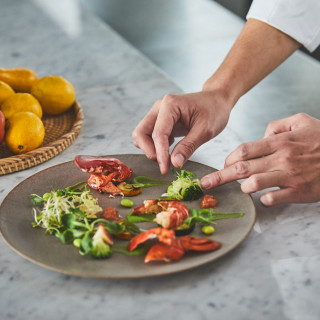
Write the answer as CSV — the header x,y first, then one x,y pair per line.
x,y
186,147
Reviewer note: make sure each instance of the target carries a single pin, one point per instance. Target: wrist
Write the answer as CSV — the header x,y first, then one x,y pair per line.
x,y
229,91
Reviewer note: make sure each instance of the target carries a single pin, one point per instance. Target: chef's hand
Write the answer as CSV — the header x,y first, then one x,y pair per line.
x,y
197,116
287,157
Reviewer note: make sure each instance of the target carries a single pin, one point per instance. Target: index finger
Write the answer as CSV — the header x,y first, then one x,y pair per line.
x,y
251,150
167,117
239,170
142,134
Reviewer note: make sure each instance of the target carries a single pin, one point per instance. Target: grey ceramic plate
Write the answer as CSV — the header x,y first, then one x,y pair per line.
x,y
33,244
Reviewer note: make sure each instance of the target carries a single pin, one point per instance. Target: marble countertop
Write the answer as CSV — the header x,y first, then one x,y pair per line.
x,y
273,274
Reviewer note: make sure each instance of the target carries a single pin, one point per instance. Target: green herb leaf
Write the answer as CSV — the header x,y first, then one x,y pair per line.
x,y
68,220
66,236
122,248
78,212
86,243
146,182
208,216
139,219
131,228
78,233
35,199
110,226
186,174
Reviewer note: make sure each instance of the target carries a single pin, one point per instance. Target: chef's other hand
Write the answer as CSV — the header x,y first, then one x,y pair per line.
x,y
197,116
287,157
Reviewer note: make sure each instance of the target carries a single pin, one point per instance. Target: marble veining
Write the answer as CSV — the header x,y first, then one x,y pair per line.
x,y
273,274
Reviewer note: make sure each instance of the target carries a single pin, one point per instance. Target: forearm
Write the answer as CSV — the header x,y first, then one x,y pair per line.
x,y
258,50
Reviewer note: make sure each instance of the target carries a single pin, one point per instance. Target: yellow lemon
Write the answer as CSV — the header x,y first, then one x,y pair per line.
x,y
26,132
21,102
5,91
55,94
19,79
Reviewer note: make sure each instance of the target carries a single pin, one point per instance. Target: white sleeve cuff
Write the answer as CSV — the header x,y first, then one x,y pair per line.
x,y
300,19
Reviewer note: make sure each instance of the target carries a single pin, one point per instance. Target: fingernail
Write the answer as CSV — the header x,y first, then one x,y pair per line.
x,y
205,183
179,159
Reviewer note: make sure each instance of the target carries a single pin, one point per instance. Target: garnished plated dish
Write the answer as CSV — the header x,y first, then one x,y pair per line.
x,y
74,215
92,233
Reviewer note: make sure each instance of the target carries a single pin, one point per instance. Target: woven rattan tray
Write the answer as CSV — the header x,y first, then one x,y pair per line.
x,y
61,131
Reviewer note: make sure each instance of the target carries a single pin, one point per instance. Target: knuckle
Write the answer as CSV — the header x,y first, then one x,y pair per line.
x,y
243,150
287,160
268,199
252,184
210,133
189,146
155,135
270,126
217,178
293,172
169,99
135,135
255,182
302,116
241,168
157,102
159,137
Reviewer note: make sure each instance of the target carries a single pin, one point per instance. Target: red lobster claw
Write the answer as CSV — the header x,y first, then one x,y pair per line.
x,y
103,165
164,235
170,247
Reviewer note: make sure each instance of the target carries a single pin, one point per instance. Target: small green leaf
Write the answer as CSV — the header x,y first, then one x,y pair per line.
x,y
114,227
131,228
78,212
35,199
208,216
66,236
122,248
86,243
146,182
68,220
139,219
77,233
110,226
185,174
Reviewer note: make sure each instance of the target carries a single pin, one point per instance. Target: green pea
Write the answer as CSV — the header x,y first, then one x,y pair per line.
x,y
126,203
77,243
207,229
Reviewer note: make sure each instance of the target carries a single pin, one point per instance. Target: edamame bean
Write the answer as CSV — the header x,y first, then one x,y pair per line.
x,y
207,229
77,243
126,203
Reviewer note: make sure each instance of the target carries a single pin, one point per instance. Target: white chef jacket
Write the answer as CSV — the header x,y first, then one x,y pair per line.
x,y
300,19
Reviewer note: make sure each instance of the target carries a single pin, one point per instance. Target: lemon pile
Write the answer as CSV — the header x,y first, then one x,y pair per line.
x,y
24,99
